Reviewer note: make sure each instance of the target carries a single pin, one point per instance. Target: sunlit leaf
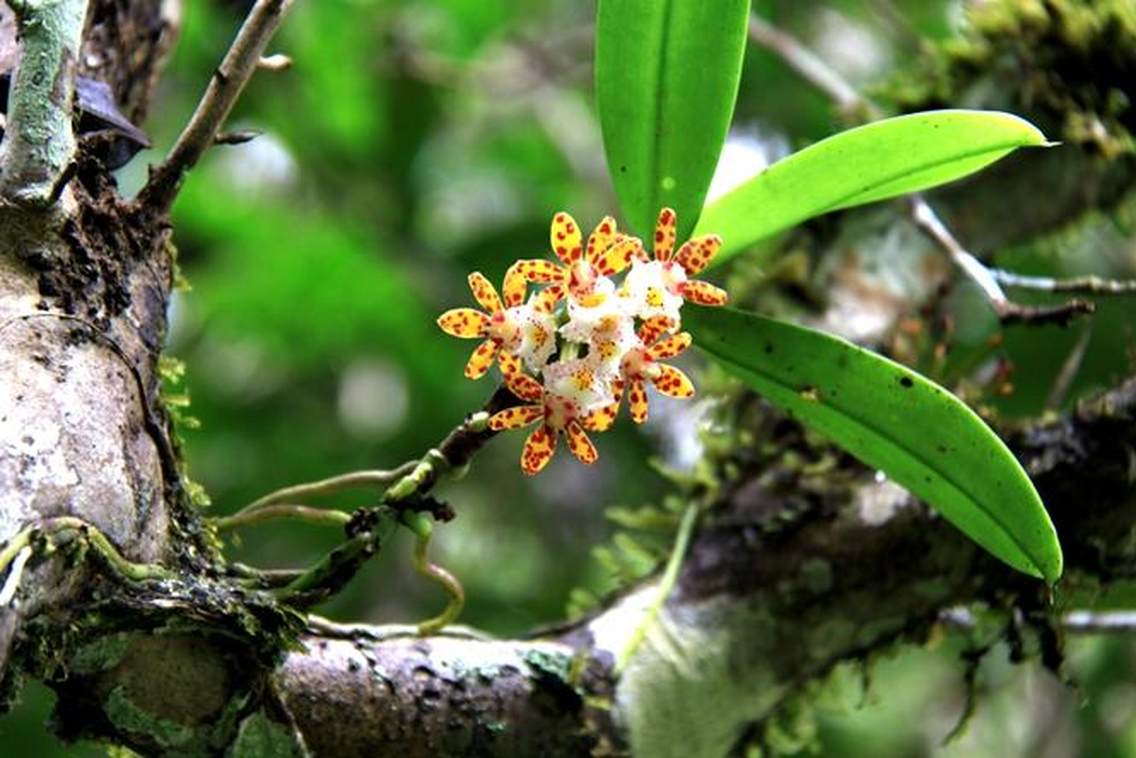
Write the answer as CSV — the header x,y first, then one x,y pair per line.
x,y
873,162
915,431
666,79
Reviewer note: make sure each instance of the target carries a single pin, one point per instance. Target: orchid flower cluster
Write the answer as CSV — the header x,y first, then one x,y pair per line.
x,y
589,339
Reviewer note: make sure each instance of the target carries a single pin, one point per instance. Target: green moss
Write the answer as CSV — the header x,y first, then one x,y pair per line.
x,y
260,737
129,717
100,655
549,662
817,575
792,729
1066,62
829,638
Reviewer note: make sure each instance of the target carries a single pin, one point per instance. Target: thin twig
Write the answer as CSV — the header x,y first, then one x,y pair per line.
x,y
1085,285
1088,622
226,85
1069,369
284,511
1073,622
811,68
852,104
928,220
1008,312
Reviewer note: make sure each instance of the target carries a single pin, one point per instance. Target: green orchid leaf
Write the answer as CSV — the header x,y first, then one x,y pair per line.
x,y
883,159
667,75
893,419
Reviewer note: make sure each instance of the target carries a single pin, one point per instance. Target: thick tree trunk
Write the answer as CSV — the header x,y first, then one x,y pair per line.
x,y
153,643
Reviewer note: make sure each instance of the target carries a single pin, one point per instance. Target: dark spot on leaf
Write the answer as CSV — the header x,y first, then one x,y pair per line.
x,y
623,169
941,448
768,348
905,382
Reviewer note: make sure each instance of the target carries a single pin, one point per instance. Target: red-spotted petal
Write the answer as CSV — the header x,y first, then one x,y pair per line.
x,y
579,443
484,292
464,322
566,238
618,256
541,271
673,383
601,419
481,360
509,363
703,293
524,387
516,417
653,328
514,288
696,253
601,238
538,450
545,301
665,234
637,401
670,347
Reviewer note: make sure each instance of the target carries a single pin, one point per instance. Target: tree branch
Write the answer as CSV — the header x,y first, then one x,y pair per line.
x,y
1008,312
39,142
787,577
226,85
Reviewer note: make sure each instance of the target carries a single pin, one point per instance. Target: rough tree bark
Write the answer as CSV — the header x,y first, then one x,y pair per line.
x,y
154,643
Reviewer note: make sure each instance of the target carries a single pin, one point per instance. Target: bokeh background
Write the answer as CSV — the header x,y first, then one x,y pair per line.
x,y
412,142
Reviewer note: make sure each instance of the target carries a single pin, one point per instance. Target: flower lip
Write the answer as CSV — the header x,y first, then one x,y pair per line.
x,y
505,328
559,410
652,289
637,363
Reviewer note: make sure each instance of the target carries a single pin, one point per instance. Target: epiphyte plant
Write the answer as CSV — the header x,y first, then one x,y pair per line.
x,y
593,341
576,334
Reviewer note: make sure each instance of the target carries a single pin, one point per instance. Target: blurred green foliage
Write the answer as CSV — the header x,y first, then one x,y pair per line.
x,y
413,141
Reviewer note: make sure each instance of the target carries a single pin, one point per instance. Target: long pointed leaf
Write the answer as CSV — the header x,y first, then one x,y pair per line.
x,y
667,76
890,417
883,159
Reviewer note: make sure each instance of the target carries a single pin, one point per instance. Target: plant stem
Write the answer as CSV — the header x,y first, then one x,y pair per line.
x,y
423,529
283,511
354,479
